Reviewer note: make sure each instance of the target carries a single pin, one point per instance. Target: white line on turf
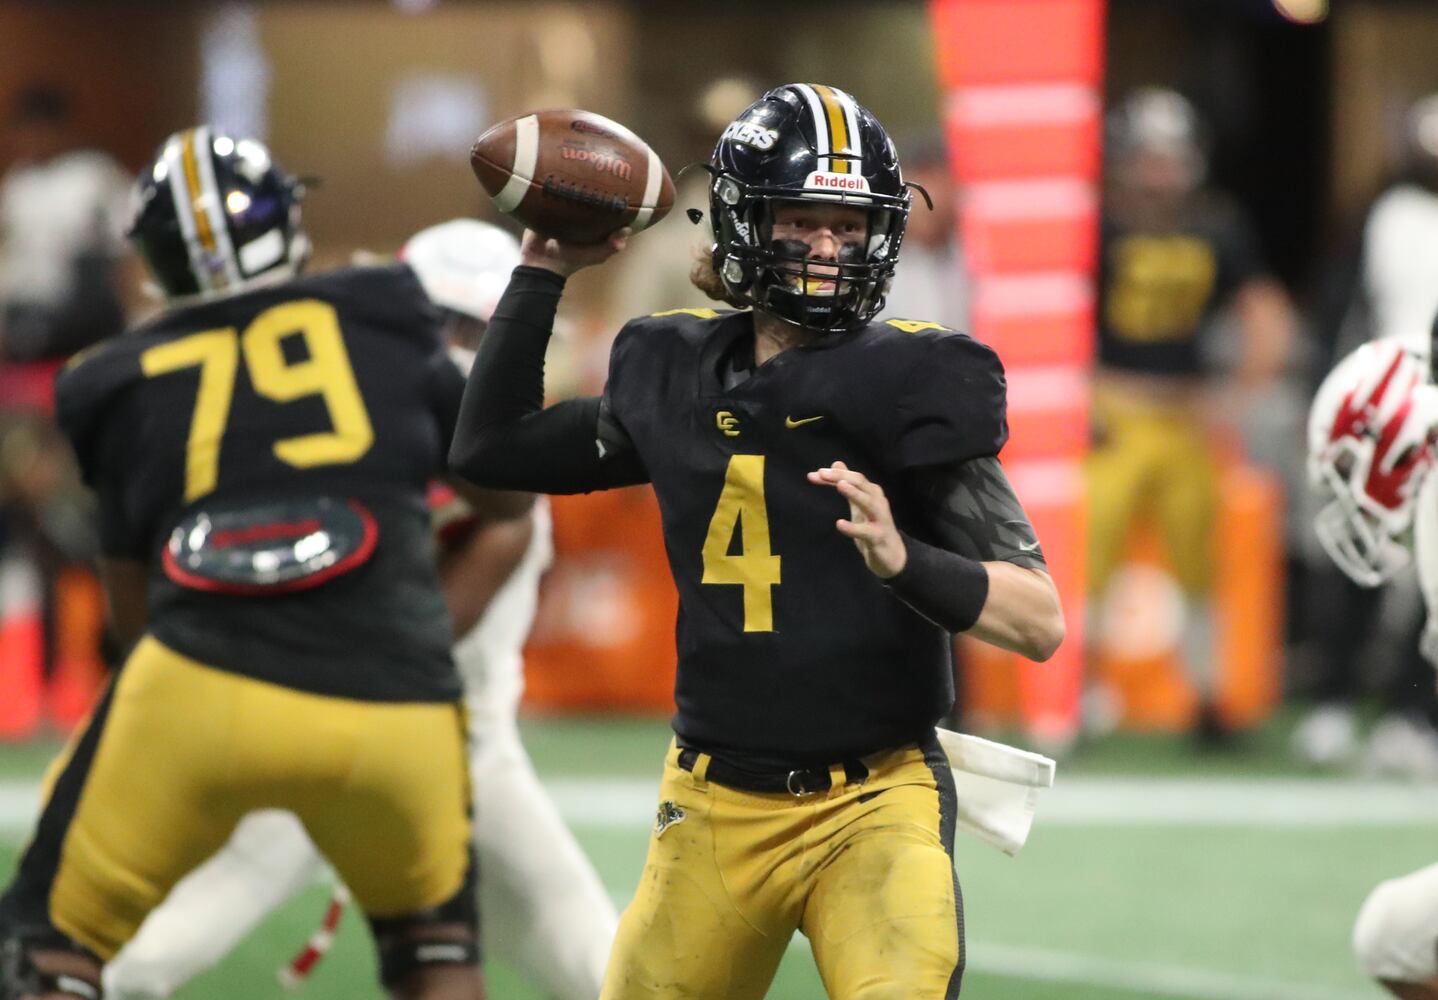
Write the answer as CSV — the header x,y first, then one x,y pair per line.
x,y
1161,980
624,803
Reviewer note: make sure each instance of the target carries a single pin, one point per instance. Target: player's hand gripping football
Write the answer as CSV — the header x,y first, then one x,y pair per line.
x,y
870,522
566,258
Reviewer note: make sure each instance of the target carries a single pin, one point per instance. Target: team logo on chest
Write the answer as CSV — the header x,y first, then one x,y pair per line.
x,y
727,423
667,816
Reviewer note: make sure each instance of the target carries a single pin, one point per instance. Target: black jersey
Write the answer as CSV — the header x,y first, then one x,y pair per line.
x,y
328,396
790,650
1158,291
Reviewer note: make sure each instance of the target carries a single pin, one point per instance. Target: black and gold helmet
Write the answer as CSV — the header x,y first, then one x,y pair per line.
x,y
805,143
215,214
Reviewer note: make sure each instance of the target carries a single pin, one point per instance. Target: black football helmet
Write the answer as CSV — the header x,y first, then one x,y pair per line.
x,y
215,214
806,143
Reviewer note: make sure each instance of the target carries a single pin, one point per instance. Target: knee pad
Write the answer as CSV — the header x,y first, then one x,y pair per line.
x,y
1396,934
20,978
447,934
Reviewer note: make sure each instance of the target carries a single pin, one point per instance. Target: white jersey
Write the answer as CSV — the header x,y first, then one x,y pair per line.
x,y
490,656
53,211
1400,264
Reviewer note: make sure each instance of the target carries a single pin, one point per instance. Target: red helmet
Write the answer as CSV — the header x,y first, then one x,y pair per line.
x,y
1372,436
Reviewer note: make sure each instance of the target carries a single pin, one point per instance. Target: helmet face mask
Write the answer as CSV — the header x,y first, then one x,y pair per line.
x,y
1373,437
214,214
806,145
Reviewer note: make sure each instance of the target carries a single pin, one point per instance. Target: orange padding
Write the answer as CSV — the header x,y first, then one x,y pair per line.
x,y
1152,683
604,636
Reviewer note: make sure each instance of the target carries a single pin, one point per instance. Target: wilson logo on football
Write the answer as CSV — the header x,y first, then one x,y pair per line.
x,y
605,163
823,181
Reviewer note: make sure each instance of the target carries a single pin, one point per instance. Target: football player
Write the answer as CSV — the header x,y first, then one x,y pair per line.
x,y
556,921
833,510
261,452
1172,255
1372,434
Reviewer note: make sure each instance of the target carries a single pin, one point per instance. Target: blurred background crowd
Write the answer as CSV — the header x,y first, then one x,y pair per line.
x,y
1269,200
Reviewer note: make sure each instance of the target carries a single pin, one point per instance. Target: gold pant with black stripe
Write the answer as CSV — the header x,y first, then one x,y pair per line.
x,y
1152,461
180,752
864,870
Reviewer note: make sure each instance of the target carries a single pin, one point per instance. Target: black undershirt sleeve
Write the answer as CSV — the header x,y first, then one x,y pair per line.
x,y
972,509
506,438
975,516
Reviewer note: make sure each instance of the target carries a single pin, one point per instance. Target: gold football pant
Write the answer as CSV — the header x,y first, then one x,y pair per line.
x,y
178,752
864,870
1151,462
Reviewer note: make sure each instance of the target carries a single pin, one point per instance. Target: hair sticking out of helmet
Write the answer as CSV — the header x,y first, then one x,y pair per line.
x,y
214,215
806,144
1372,437
463,264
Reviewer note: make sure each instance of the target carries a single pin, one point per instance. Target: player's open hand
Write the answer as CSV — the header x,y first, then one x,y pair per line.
x,y
566,258
870,522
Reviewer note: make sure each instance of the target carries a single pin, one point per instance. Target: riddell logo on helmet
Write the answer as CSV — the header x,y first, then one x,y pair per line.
x,y
836,182
605,163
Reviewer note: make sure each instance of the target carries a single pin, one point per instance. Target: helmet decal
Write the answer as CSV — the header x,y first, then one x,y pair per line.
x,y
1380,415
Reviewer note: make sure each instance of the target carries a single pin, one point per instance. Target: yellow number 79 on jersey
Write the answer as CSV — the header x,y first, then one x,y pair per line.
x,y
326,372
755,568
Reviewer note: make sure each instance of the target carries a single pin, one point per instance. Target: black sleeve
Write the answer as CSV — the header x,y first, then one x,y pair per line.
x,y
505,438
953,406
119,539
446,390
972,510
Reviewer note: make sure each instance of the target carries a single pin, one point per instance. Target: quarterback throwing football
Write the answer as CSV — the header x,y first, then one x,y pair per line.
x,y
833,509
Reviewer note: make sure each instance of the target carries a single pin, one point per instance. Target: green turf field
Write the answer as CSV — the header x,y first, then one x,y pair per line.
x,y
1151,874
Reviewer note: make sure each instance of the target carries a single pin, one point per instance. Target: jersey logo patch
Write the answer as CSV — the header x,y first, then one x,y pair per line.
x,y
667,816
914,325
791,423
727,423
699,313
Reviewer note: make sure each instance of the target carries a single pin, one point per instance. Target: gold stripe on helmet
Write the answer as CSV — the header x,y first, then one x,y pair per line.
x,y
838,129
197,200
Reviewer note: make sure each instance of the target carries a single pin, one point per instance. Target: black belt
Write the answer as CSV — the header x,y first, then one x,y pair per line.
x,y
799,782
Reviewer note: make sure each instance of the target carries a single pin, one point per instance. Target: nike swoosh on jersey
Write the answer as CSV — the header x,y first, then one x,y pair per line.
x,y
790,422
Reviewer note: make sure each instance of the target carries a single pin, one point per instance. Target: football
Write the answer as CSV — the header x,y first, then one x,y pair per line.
x,y
572,175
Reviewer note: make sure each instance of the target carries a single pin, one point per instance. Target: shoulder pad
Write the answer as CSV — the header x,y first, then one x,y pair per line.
x,y
691,325
696,313
87,386
915,325
389,296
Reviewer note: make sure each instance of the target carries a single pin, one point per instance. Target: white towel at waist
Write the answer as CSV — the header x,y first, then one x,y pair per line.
x,y
998,788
